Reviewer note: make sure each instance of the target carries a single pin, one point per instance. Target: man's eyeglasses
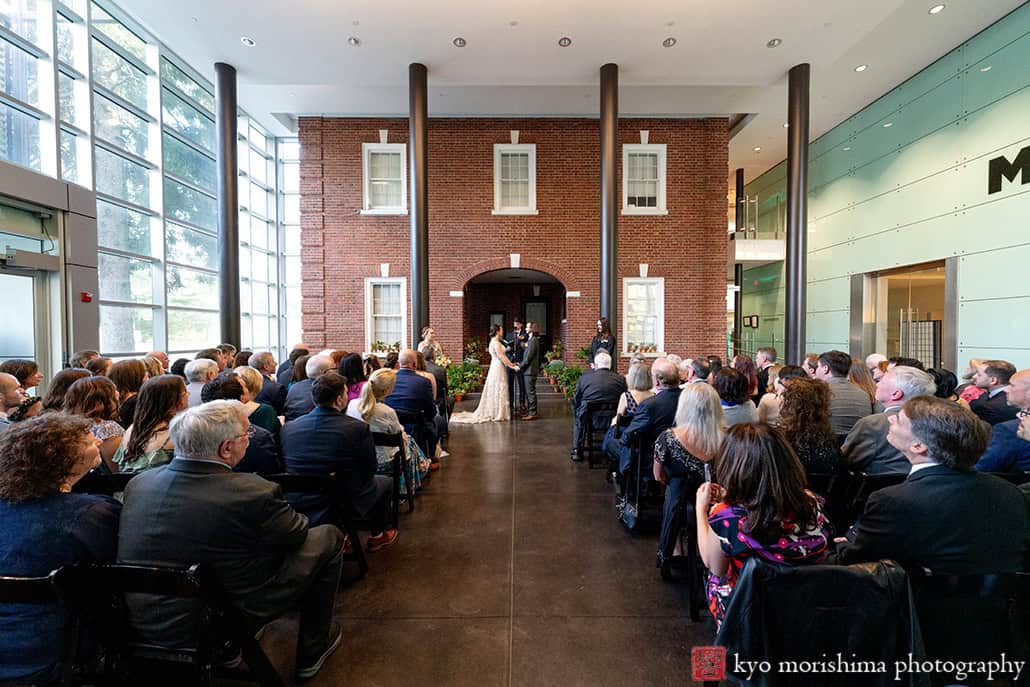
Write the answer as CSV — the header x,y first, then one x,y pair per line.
x,y
1023,413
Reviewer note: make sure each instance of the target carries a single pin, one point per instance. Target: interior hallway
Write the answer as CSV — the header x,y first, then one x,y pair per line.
x,y
511,571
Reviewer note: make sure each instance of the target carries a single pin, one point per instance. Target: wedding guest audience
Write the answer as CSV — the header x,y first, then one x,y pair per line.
x,y
243,358
695,371
178,368
811,364
967,390
652,417
714,363
42,527
372,364
284,373
899,360
267,559
872,363
805,424
128,376
262,454
423,371
603,339
1007,450
351,369
369,408
444,405
866,448
228,352
26,371
214,355
161,357
946,517
147,443
153,366
198,373
260,414
58,387
769,405
392,361
731,386
848,403
272,393
860,376
602,384
745,366
680,455
300,371
765,359
100,366
11,396
413,393
96,399
946,383
337,356
758,506
298,399
80,358
327,440
639,389
992,406
30,407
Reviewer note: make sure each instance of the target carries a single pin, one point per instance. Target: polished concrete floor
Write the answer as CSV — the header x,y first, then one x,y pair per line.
x,y
511,571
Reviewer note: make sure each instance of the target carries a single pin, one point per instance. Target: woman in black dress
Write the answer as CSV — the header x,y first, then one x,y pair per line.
x,y
805,423
604,339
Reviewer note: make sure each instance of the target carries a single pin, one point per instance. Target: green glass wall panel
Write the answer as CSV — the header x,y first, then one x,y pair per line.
x,y
1008,265
829,295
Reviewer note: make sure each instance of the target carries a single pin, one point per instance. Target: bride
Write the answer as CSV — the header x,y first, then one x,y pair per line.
x,y
493,405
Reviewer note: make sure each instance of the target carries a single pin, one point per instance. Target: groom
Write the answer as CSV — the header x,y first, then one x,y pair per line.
x,y
530,368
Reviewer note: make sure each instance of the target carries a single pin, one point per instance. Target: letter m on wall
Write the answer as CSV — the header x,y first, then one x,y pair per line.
x,y
1000,167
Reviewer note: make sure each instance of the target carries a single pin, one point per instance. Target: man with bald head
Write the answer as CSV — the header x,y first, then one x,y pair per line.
x,y
11,395
161,357
652,417
1006,451
299,401
413,393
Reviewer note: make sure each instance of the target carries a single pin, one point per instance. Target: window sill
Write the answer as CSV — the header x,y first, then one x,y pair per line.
x,y
644,211
515,211
385,211
660,354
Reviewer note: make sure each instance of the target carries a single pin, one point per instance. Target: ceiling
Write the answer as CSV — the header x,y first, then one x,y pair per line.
x,y
519,276
512,64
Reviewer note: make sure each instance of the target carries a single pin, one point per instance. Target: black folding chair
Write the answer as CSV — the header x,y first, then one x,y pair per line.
x,y
104,483
42,591
865,485
328,485
98,593
596,410
414,425
689,560
401,466
1017,478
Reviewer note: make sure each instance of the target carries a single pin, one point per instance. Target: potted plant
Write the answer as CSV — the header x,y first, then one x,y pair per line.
x,y
555,353
583,354
456,383
553,368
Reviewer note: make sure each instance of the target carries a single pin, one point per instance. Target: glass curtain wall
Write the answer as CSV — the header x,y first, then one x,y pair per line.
x,y
289,233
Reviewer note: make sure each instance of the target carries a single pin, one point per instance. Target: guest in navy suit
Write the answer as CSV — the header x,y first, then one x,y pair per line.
x,y
1007,451
298,399
653,416
327,440
272,392
993,377
414,394
284,374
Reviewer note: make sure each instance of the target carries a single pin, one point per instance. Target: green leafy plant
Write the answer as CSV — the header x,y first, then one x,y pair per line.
x,y
556,351
583,353
567,378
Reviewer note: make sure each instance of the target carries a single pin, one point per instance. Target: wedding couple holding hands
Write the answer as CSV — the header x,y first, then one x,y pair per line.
x,y
494,405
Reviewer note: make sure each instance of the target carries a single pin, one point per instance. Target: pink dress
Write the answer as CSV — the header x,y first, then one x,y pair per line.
x,y
355,390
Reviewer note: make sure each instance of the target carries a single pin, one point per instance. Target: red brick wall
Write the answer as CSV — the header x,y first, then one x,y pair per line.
x,y
340,247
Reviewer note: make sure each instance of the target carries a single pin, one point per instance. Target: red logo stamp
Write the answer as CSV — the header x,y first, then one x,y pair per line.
x,y
708,662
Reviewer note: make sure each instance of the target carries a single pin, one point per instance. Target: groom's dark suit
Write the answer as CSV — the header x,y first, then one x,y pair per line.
x,y
530,369
516,345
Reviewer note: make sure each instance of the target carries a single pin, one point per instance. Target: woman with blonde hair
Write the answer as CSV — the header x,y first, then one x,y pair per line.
x,y
682,452
369,407
260,414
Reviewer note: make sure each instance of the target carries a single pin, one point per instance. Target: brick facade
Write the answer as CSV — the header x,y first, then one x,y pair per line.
x,y
341,247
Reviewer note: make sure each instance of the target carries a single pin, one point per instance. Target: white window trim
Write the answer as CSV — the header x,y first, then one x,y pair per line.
x,y
366,196
628,148
500,148
660,330
369,283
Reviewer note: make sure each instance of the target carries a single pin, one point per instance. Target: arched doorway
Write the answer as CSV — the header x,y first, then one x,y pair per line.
x,y
501,295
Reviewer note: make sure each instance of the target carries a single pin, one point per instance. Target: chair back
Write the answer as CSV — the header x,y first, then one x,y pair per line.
x,y
623,421
104,483
1017,478
385,439
28,590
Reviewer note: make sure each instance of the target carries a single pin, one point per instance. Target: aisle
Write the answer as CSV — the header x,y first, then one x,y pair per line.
x,y
512,571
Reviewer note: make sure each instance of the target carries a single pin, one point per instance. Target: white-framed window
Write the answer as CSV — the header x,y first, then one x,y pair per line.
x,y
643,316
643,179
384,179
515,179
386,316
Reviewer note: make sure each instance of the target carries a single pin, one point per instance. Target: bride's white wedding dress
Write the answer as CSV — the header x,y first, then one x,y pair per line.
x,y
493,405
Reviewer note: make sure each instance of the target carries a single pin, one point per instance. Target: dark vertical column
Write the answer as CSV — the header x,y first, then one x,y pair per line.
x,y
418,170
228,203
797,213
609,195
738,269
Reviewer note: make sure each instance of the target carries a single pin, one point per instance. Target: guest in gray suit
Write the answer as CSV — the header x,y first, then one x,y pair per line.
x,y
848,403
197,510
866,448
598,384
530,368
198,373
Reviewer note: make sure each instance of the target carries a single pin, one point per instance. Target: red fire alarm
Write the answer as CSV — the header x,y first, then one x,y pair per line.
x,y
85,296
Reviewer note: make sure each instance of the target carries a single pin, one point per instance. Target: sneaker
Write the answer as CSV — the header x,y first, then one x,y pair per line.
x,y
385,539
311,670
444,454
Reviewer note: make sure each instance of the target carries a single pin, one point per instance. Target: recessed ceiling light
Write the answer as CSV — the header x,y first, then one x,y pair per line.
x,y
353,41
985,69
888,125
758,149
774,43
861,67
669,42
564,41
459,42
249,42
936,9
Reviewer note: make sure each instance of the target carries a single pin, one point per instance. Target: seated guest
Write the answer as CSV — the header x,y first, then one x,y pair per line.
x,y
866,448
848,403
26,371
414,394
967,390
714,363
128,376
162,358
42,527
284,373
946,383
765,359
262,455
300,371
811,364
228,352
325,441
805,423
30,407
80,358
946,517
641,388
272,392
872,363
11,396
267,559
214,355
652,417
298,399
380,417
759,507
423,371
680,454
351,369
731,386
992,406
153,366
695,371
1007,451
99,366
600,384
243,358
902,361
198,373
745,366
372,364
392,361
96,399
860,376
260,414
58,387
769,406
147,442
444,404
